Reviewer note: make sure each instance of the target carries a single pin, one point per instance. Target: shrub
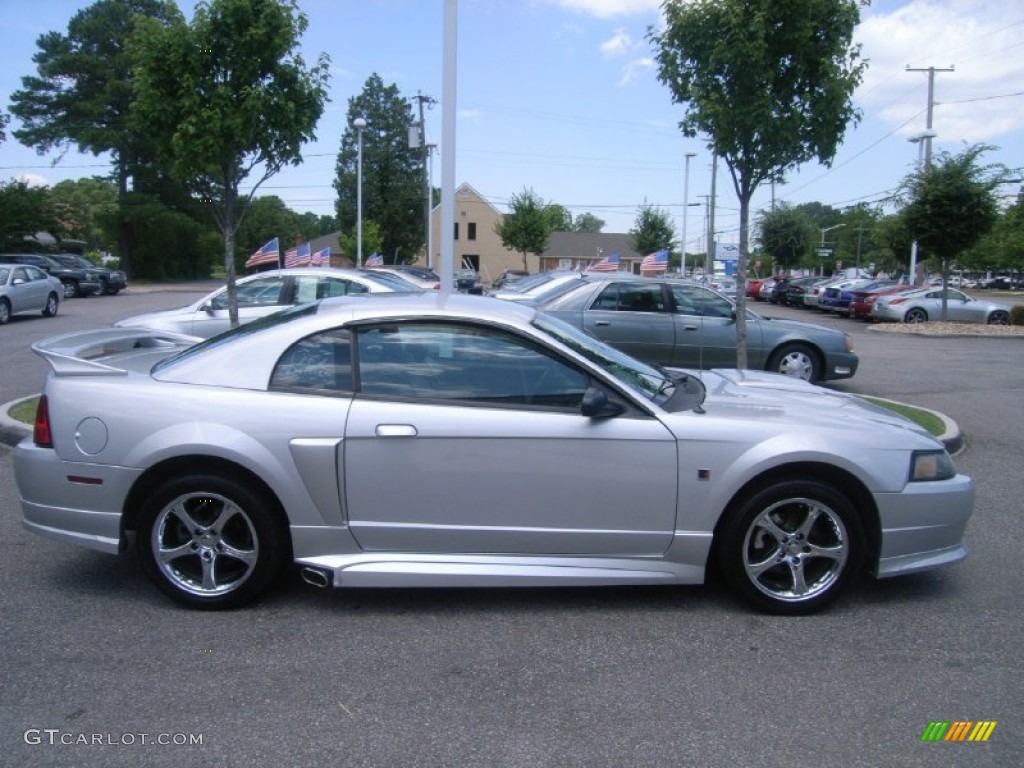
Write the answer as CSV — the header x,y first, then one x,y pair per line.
x,y
1017,314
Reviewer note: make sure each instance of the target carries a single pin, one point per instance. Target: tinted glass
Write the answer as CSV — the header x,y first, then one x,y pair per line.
x,y
441,361
321,363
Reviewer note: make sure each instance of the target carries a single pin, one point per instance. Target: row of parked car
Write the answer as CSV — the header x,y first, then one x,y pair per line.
x,y
36,282
879,300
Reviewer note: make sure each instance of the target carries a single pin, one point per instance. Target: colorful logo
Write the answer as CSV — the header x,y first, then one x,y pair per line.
x,y
958,730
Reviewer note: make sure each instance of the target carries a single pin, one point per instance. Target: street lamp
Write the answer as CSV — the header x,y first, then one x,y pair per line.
x,y
920,139
823,231
686,205
359,123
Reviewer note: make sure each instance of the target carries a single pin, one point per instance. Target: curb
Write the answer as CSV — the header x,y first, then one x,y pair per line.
x,y
13,432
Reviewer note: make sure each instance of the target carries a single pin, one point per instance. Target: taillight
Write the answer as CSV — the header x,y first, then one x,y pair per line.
x,y
41,428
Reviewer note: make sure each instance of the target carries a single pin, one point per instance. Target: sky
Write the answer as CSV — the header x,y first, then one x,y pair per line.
x,y
561,97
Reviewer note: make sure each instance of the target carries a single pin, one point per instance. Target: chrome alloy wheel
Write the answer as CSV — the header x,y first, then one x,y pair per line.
x,y
204,544
795,550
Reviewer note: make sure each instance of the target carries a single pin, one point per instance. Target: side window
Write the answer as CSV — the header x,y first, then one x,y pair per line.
x,y
696,300
468,364
21,273
257,293
319,364
631,297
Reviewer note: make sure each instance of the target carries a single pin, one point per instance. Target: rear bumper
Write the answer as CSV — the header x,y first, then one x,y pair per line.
x,y
72,502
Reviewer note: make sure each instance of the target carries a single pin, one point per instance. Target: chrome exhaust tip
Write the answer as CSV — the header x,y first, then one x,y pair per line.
x,y
315,577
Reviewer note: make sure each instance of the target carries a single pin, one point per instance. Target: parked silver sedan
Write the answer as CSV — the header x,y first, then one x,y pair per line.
x,y
25,288
674,322
264,293
364,438
926,304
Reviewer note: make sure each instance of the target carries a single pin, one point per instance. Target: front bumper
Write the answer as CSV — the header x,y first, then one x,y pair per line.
x,y
923,526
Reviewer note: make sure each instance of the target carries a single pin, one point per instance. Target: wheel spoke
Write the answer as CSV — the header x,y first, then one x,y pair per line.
x,y
796,568
831,553
171,554
769,526
179,511
247,556
772,560
813,512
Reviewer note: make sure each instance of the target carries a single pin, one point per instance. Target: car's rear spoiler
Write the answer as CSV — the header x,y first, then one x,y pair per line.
x,y
81,353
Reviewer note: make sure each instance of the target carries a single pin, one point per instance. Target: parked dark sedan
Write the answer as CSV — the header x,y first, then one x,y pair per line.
x,y
676,323
77,280
111,280
796,287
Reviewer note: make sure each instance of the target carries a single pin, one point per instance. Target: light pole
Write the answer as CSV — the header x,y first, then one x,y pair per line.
x,y
823,231
359,123
919,139
686,206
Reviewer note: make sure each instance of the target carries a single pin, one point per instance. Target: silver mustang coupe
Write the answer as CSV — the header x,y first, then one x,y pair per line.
x,y
364,438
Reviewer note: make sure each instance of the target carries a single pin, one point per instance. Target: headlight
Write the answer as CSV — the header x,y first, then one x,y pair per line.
x,y
931,465
848,341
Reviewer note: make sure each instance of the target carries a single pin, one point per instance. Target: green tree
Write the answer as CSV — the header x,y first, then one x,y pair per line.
x,y
587,222
373,240
25,210
392,172
952,205
87,206
769,83
3,124
228,97
82,93
787,236
1003,247
652,230
559,218
525,227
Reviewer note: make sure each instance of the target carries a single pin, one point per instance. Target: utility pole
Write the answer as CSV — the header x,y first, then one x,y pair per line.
x,y
428,101
709,265
931,106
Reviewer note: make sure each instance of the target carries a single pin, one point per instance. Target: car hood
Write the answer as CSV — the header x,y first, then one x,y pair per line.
x,y
759,397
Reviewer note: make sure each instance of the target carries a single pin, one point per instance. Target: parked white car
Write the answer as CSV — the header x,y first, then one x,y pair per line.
x,y
925,304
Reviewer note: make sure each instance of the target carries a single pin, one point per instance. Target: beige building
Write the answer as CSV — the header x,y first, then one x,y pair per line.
x,y
477,245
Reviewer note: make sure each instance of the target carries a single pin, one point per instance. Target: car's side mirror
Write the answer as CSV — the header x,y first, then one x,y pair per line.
x,y
18,281
597,405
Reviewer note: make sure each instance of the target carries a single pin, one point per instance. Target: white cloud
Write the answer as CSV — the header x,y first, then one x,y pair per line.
x,y
618,44
980,39
470,114
635,68
33,180
604,9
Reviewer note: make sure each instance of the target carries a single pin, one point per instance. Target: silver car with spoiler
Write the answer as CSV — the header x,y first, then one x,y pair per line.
x,y
436,441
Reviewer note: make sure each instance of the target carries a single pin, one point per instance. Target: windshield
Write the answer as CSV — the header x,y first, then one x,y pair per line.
x,y
652,383
392,281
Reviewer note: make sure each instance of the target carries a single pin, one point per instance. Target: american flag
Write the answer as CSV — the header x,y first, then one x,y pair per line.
x,y
297,257
375,260
268,254
321,257
607,264
654,262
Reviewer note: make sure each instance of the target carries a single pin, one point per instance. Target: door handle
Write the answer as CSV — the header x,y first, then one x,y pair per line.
x,y
396,430
689,327
602,322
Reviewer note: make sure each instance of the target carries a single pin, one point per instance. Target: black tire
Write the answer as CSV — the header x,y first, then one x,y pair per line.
x,y
797,360
5,312
52,302
229,542
916,315
999,317
792,547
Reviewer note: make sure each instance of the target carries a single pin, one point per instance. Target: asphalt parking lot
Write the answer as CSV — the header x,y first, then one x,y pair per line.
x,y
98,668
